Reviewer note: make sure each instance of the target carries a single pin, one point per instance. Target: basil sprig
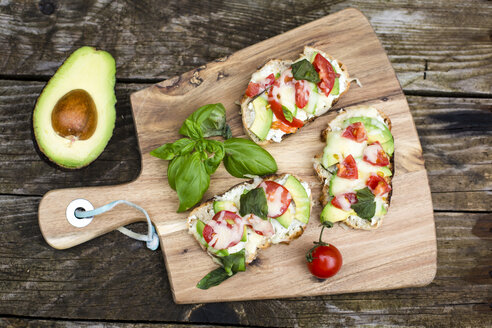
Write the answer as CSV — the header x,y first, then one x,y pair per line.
x,y
304,70
365,206
288,114
254,202
231,264
194,159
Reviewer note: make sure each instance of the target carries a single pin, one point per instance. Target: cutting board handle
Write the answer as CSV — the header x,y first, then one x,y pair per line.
x,y
61,234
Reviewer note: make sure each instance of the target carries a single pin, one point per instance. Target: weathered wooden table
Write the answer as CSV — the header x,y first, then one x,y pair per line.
x,y
442,53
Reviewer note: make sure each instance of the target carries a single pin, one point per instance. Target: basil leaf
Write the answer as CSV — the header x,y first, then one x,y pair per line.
x,y
244,157
172,170
287,114
210,118
213,278
218,150
304,70
227,133
192,180
365,206
191,129
254,202
165,152
234,262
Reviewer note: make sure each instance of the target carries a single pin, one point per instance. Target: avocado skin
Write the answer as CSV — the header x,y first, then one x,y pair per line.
x,y
90,70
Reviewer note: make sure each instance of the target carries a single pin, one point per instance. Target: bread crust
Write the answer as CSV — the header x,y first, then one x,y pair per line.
x,y
203,210
324,176
246,100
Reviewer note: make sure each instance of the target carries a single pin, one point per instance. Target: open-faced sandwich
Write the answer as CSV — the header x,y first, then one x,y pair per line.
x,y
284,95
356,167
253,215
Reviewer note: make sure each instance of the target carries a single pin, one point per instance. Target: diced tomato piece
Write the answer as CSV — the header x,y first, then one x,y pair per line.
x,y
344,201
224,230
278,198
277,107
348,168
356,132
375,155
326,73
278,125
260,226
302,93
256,88
378,185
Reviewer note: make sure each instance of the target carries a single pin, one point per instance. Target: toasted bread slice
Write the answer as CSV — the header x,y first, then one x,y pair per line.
x,y
205,212
277,66
325,174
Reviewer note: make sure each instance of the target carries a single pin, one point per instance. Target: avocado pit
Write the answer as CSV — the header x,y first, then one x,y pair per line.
x,y
75,116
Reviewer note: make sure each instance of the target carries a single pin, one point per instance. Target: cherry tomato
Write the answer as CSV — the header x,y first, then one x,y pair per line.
x,y
260,226
378,185
224,230
326,74
278,125
356,132
326,261
256,88
344,201
278,198
375,155
302,93
348,168
273,100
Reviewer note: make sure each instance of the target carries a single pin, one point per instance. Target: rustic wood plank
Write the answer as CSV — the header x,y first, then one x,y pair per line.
x,y
23,171
441,45
98,280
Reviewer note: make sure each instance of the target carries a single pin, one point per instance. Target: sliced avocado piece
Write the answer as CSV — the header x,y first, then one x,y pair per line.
x,y
224,205
75,115
340,186
336,87
312,104
386,171
380,209
338,147
285,219
245,234
263,118
300,198
199,229
333,214
389,147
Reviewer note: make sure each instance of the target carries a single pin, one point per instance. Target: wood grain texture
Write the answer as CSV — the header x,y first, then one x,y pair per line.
x,y
441,45
115,278
160,110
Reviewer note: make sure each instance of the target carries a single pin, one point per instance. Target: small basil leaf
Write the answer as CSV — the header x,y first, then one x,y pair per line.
x,y
183,146
192,180
172,170
217,149
165,152
365,206
191,129
210,118
213,278
234,262
304,70
244,157
254,202
287,114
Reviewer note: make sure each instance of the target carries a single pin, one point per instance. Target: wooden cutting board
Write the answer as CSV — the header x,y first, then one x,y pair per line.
x,y
402,253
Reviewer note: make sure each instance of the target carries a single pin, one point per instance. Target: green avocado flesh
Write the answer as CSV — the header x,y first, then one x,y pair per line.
x,y
300,198
224,205
376,131
333,214
341,185
285,219
75,114
263,118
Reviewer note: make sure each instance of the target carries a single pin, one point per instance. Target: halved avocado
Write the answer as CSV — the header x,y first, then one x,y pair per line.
x,y
300,197
75,115
263,118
